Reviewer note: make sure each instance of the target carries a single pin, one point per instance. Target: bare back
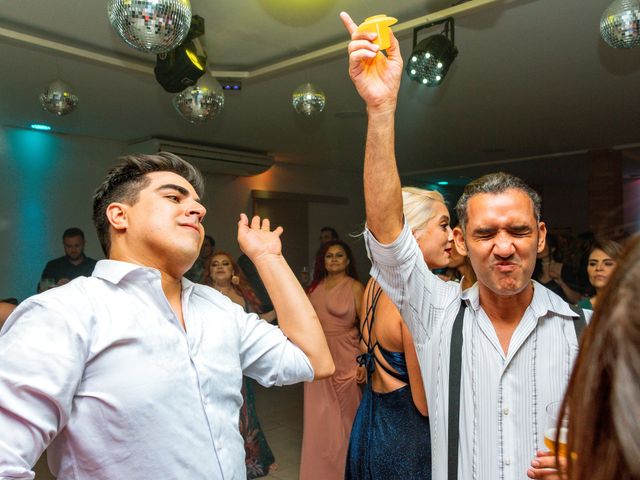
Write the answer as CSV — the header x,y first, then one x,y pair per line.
x,y
381,326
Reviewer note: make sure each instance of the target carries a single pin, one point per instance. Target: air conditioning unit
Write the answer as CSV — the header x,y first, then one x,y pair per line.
x,y
208,159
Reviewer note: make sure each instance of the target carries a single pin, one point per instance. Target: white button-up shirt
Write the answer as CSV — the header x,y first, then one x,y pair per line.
x,y
503,397
102,372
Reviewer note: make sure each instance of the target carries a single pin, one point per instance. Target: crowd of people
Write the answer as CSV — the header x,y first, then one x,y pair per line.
x,y
444,366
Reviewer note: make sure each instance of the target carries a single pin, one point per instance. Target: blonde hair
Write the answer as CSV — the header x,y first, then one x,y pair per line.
x,y
417,205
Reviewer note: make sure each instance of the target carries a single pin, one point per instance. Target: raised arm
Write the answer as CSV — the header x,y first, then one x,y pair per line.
x,y
377,80
296,316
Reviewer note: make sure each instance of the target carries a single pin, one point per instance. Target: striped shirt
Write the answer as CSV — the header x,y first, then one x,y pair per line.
x,y
503,397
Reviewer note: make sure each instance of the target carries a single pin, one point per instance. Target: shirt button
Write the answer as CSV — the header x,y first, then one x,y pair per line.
x,y
507,461
505,411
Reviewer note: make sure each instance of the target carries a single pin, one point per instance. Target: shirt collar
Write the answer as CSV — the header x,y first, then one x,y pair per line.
x,y
114,270
543,301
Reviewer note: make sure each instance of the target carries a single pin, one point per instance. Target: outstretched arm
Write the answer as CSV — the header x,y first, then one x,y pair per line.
x,y
296,316
377,80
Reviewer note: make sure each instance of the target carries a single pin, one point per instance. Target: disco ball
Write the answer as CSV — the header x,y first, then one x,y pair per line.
x,y
308,100
151,26
58,97
200,102
620,24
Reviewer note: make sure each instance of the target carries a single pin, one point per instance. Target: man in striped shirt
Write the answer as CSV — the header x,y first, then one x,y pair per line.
x,y
519,339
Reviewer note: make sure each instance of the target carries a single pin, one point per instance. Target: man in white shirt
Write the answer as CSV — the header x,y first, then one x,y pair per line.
x,y
135,372
518,338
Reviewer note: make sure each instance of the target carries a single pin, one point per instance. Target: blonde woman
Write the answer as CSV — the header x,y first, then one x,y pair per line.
x,y
390,438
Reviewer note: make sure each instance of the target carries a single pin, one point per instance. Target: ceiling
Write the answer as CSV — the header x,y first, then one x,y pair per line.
x,y
533,78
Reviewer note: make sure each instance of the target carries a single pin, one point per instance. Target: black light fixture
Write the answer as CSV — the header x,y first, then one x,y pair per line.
x,y
184,65
431,58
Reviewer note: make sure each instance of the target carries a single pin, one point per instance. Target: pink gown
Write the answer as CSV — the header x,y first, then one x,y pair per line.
x,y
330,405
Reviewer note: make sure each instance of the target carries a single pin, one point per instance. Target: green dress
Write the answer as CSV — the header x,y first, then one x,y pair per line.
x,y
585,303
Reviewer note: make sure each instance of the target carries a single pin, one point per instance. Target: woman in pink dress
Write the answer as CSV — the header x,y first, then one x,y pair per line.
x,y
330,405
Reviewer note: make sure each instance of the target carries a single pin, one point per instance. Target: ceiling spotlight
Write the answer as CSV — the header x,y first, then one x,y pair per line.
x,y
431,57
620,24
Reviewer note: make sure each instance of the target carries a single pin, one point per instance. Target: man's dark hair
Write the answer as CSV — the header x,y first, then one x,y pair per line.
x,y
72,232
124,182
334,234
495,183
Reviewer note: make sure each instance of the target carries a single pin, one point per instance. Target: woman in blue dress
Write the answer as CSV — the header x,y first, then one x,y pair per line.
x,y
390,438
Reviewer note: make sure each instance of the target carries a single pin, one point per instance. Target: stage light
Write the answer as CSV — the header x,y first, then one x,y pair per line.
x,y
431,58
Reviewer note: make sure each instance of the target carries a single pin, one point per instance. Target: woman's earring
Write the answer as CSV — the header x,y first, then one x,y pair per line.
x,y
235,280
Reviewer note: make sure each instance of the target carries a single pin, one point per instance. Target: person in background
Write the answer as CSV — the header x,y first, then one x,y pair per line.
x,y
327,234
225,276
460,268
553,274
251,274
602,401
73,264
198,272
390,439
602,262
330,404
7,306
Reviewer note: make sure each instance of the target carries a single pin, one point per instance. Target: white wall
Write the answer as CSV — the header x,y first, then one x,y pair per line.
x,y
48,181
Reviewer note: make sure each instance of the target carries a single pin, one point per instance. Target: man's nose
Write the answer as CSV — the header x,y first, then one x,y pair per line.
x,y
198,210
504,246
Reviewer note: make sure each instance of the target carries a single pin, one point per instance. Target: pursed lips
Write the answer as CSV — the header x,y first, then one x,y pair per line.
x,y
192,226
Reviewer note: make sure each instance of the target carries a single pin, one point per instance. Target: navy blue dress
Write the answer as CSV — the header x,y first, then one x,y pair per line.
x,y
390,438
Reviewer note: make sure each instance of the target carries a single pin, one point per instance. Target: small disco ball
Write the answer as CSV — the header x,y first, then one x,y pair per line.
x,y
308,100
58,97
151,26
620,24
200,102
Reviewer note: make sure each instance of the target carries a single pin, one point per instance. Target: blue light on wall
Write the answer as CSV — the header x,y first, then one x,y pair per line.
x,y
40,126
443,182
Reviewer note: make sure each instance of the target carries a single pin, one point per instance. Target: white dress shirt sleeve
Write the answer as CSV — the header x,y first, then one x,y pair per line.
x,y
35,395
404,276
267,355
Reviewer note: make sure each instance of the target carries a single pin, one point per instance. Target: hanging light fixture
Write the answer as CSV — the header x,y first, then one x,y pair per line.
x,y
308,100
200,102
431,58
58,98
620,24
151,26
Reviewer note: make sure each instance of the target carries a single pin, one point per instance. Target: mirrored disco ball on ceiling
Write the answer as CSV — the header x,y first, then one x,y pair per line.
x,y
200,102
620,24
308,100
151,26
58,97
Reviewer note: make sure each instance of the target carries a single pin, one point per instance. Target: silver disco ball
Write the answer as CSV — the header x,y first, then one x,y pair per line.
x,y
308,100
200,102
58,97
151,26
620,24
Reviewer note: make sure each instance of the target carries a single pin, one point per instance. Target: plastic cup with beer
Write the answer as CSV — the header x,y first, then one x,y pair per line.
x,y
551,430
379,24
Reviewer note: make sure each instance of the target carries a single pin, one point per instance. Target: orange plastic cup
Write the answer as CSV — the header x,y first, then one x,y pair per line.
x,y
379,24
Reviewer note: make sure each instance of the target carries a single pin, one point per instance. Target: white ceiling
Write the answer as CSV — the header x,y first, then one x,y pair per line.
x,y
533,77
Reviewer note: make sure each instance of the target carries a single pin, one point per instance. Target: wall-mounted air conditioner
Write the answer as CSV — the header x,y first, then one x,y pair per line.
x,y
208,159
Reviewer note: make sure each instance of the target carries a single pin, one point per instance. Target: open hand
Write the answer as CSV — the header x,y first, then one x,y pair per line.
x,y
376,77
257,239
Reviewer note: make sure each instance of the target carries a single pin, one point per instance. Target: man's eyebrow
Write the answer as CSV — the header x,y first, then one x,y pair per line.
x,y
181,190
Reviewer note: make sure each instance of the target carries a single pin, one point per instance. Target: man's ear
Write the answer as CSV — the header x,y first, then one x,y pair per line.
x,y
458,238
542,236
117,216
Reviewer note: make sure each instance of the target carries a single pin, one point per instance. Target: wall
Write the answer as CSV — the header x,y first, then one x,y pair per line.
x,y
48,181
